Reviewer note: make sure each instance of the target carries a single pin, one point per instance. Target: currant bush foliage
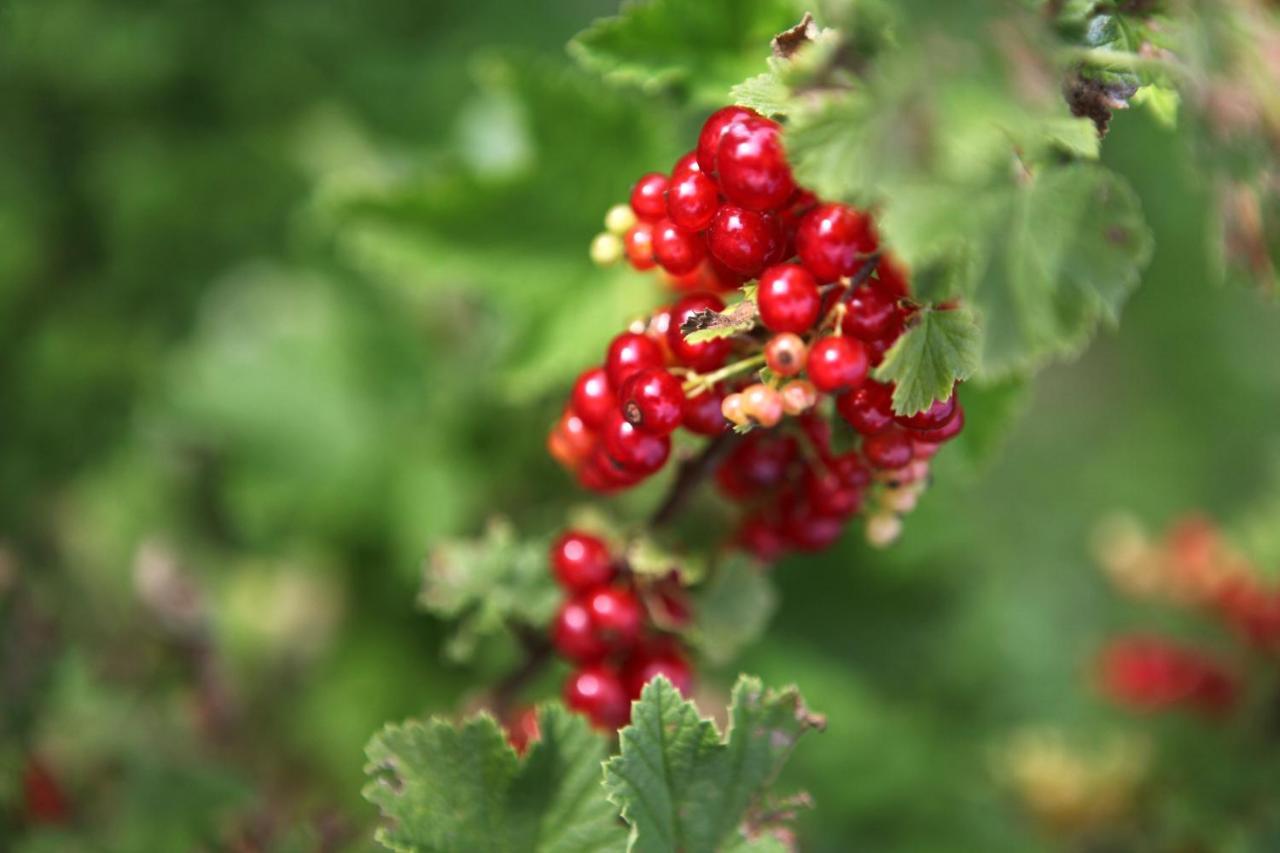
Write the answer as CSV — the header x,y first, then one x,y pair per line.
x,y
681,786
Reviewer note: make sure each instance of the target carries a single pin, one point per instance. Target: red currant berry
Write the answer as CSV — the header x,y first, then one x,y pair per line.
x,y
762,538
574,635
837,364
580,438
649,197
704,356
808,530
851,470
892,276
653,400
946,432
745,241
593,398
830,240
638,244
597,692
686,164
692,201
581,561
721,278
755,465
713,131
751,166
828,494
871,313
788,299
889,449
702,413
522,729
611,473
637,451
938,415
869,409
648,664
629,353
616,616
786,354
677,250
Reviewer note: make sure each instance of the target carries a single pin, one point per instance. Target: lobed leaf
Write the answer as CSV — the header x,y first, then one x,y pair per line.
x,y
940,349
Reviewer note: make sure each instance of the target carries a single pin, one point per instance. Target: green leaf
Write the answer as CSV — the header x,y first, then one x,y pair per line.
x,y
732,610
681,786
764,93
1043,259
702,47
487,585
447,787
940,349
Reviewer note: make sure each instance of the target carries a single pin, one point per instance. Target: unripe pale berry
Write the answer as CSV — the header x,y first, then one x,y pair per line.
x,y
798,396
762,404
606,249
732,409
786,354
619,219
883,529
638,244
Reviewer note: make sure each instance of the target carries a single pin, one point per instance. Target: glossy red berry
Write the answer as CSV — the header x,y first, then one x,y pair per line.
x,y
692,201
677,250
616,616
603,473
629,353
889,449
686,164
837,364
868,409
829,494
745,241
830,240
637,451
649,197
653,400
647,664
574,634
704,356
581,561
598,692
871,313
638,244
702,413
938,415
593,398
751,166
946,432
788,299
713,131
809,530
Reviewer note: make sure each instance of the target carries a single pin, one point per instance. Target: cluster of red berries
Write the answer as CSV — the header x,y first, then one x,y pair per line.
x,y
604,628
1192,565
828,304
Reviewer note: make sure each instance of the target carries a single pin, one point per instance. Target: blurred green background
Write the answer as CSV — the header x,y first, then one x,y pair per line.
x,y
290,290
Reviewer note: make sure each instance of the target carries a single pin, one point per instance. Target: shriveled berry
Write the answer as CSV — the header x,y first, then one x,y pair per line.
x,y
692,201
649,197
786,354
868,409
581,561
593,398
832,240
837,364
788,299
745,241
573,632
751,166
704,356
653,400
635,450
598,693
889,449
629,353
677,250
713,131
638,244
762,404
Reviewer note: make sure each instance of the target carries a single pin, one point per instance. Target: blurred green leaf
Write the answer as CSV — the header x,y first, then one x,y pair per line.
x,y
699,47
448,787
681,786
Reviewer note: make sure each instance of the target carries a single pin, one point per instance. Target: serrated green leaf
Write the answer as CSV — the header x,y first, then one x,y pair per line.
x,y
447,787
764,93
732,610
940,349
1048,257
681,786
702,47
1161,101
487,585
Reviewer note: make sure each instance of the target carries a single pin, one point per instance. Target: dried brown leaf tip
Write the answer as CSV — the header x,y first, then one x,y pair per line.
x,y
787,42
1096,100
736,317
